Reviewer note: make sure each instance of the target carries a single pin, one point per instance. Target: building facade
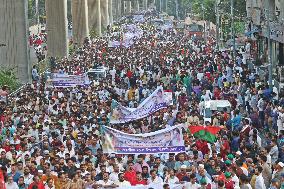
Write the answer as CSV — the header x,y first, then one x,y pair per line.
x,y
262,14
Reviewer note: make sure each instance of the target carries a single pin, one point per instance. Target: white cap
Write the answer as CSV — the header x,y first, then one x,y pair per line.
x,y
239,153
281,164
201,166
183,167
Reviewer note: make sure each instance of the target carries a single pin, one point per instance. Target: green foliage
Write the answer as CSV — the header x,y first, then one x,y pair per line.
x,y
239,27
42,66
71,49
8,77
32,9
93,34
207,7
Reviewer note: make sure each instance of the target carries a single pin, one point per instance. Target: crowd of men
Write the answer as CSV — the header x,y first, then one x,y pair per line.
x,y
51,137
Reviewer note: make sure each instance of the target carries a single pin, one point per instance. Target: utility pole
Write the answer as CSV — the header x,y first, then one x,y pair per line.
x,y
37,16
217,24
203,18
166,6
233,30
177,9
269,46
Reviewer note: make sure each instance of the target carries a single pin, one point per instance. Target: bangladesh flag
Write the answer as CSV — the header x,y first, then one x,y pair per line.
x,y
207,133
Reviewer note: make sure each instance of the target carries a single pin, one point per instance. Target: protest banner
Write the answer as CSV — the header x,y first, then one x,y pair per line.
x,y
168,97
128,37
168,140
138,18
155,102
64,80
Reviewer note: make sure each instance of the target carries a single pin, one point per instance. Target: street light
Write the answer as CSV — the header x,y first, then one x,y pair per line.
x,y
233,30
176,1
217,2
203,18
269,46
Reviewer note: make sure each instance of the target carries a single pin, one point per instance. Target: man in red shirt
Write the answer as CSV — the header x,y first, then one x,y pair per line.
x,y
182,172
202,146
139,180
130,174
229,184
37,182
225,147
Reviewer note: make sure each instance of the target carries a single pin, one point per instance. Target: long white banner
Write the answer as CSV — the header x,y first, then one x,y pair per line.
x,y
155,102
64,80
169,140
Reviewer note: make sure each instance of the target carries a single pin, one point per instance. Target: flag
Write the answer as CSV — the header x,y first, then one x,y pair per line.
x,y
207,133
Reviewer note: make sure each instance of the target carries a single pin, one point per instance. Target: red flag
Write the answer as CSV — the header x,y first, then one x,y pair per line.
x,y
211,129
194,129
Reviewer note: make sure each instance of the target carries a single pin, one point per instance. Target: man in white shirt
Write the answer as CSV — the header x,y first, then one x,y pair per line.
x,y
259,182
171,178
28,178
114,175
154,178
192,184
11,184
121,182
112,73
105,183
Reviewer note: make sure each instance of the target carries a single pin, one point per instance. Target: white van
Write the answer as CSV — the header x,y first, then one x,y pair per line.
x,y
98,73
213,105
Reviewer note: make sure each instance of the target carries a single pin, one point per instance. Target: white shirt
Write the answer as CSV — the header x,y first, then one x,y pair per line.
x,y
28,179
173,180
157,180
124,183
47,187
259,182
245,171
102,182
189,185
236,182
113,177
13,185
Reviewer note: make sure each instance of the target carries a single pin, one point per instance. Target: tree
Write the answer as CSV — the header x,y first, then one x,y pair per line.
x,y
206,7
32,10
8,77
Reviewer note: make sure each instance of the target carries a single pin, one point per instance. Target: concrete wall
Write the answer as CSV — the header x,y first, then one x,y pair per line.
x,y
110,11
56,26
94,12
104,13
145,4
135,5
80,21
281,2
128,7
14,49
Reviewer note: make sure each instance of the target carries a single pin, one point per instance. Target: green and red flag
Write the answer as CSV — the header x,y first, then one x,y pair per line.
x,y
207,133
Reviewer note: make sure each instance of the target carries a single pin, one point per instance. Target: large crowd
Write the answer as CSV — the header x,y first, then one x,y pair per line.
x,y
51,138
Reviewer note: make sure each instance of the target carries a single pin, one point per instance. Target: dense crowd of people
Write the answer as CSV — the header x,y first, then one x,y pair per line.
x,y
51,137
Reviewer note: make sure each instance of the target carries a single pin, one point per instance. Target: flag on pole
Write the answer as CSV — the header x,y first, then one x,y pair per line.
x,y
207,133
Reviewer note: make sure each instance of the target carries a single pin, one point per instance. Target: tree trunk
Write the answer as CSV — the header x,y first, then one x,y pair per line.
x,y
94,12
104,13
80,21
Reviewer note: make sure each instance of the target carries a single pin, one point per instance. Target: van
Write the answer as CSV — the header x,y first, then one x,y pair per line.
x,y
210,106
97,73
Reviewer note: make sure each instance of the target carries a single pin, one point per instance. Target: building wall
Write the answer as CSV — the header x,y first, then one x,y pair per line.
x,y
14,48
56,26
